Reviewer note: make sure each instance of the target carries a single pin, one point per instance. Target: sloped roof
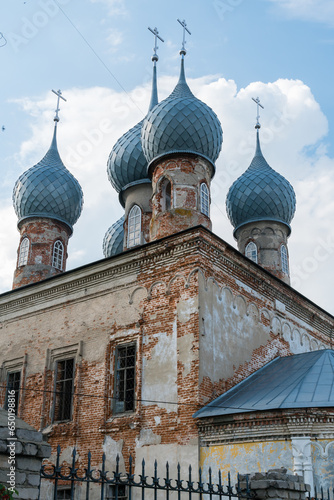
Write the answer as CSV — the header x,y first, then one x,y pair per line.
x,y
299,381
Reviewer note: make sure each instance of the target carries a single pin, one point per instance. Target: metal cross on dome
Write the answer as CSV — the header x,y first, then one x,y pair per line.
x,y
156,35
58,94
185,29
257,101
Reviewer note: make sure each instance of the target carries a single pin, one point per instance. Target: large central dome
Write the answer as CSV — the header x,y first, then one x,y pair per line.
x,y
181,124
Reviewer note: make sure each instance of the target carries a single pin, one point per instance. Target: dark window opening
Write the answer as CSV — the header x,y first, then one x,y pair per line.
x,y
64,390
168,195
13,384
125,379
64,494
117,492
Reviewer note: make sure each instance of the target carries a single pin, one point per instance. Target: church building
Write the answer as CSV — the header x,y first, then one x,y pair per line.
x,y
176,346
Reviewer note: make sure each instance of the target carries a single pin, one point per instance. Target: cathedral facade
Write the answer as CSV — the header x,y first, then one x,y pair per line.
x,y
126,355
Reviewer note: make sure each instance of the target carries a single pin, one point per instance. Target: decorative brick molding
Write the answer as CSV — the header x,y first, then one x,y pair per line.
x,y
275,484
28,451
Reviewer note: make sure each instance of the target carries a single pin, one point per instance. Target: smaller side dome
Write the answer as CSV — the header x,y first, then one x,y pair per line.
x,y
48,190
260,194
181,124
113,239
126,162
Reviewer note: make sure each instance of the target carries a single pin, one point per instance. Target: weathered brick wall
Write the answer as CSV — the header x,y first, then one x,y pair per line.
x,y
42,234
201,316
185,174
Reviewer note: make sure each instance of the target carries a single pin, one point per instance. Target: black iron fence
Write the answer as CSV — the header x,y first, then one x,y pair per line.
x,y
69,483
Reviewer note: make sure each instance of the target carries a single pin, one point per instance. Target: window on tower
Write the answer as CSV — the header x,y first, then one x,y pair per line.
x,y
251,251
166,192
284,260
24,252
134,226
58,255
204,199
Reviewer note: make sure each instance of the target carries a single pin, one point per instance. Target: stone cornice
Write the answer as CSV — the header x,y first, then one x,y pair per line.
x,y
122,270
282,424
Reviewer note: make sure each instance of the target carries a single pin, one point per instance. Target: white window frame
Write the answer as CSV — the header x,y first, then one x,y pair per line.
x,y
204,199
285,260
251,251
134,226
24,252
58,255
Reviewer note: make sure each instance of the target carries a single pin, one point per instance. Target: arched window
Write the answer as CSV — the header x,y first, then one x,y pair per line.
x,y
251,251
58,255
166,191
284,260
24,251
204,199
134,226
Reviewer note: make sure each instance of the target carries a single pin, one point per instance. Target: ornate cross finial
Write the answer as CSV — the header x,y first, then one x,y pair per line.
x,y
185,29
58,93
156,35
257,101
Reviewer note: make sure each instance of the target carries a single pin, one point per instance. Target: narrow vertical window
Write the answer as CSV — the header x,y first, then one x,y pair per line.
x,y
13,391
58,255
134,226
251,251
204,199
284,260
166,195
125,370
63,390
24,251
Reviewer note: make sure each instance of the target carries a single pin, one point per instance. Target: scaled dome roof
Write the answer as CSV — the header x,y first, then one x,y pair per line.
x,y
181,123
113,239
127,163
260,194
48,190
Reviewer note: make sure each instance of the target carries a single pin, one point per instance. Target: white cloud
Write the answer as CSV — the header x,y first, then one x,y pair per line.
x,y
114,40
115,7
293,135
308,10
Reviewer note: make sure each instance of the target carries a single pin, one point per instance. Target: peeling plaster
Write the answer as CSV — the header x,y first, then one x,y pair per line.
x,y
160,372
186,353
112,448
147,437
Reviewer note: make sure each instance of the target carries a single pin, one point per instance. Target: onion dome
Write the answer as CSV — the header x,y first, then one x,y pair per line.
x,y
181,124
260,194
127,163
113,239
48,190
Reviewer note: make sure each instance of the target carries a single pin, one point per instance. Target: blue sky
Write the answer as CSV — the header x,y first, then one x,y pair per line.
x,y
98,52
